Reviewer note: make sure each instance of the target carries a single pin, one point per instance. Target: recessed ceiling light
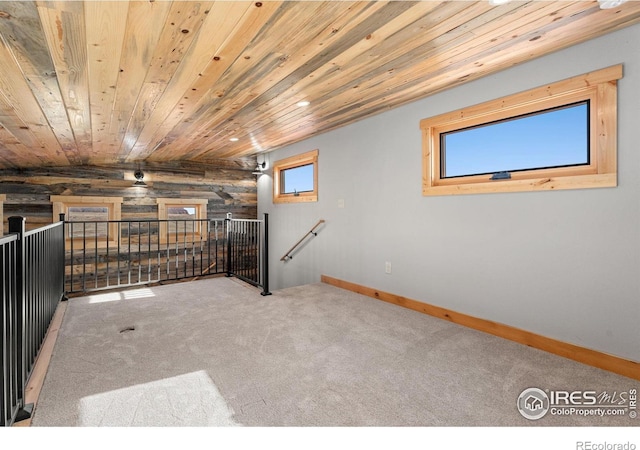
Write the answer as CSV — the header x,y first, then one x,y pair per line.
x,y
498,2
234,139
303,103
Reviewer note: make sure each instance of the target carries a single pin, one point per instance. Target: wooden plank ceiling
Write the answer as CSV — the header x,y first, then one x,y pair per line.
x,y
101,82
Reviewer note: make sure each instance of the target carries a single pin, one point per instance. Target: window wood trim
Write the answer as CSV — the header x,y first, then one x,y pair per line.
x,y
290,163
599,87
164,203
61,204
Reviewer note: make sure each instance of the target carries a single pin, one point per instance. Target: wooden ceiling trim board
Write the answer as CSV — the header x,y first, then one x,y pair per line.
x,y
14,151
63,26
106,82
212,36
105,24
436,57
245,31
7,156
145,22
276,107
274,67
251,58
11,119
250,77
328,45
22,31
386,102
324,82
13,133
522,51
329,80
532,44
404,81
444,38
250,117
181,27
20,112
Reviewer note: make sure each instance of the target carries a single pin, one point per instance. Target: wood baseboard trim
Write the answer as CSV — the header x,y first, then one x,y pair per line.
x,y
34,385
583,355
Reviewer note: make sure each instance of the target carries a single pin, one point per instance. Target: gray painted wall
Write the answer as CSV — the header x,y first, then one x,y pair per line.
x,y
563,264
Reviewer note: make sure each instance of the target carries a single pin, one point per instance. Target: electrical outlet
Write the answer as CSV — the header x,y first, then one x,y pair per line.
x,y
341,203
387,267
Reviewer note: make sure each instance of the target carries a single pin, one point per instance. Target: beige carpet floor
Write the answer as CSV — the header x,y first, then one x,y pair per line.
x,y
216,353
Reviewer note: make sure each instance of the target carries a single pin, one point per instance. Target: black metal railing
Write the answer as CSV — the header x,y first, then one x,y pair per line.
x,y
32,268
248,251
120,253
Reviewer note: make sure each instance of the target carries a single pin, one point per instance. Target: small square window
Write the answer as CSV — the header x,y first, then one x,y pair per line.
x,y
88,214
181,218
295,179
91,220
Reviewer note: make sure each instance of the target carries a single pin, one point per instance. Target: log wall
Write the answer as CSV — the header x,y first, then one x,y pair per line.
x,y
229,186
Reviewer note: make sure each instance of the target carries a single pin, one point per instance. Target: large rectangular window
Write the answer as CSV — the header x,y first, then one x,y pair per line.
x,y
295,179
559,136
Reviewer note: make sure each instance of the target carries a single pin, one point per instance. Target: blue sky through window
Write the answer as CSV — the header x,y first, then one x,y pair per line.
x,y
298,179
552,138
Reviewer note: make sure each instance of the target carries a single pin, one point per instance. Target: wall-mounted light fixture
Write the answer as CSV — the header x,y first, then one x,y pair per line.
x,y
139,175
259,167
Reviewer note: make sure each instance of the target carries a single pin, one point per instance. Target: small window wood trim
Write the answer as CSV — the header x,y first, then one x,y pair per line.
x,y
599,87
289,163
61,204
165,203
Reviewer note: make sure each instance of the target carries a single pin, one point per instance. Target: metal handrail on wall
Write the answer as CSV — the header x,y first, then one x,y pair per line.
x,y
32,271
287,256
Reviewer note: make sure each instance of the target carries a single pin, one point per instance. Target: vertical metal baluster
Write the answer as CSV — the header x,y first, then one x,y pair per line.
x,y
159,250
177,249
139,255
265,256
119,227
84,256
129,252
185,252
95,256
167,245
107,276
149,251
71,263
193,248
